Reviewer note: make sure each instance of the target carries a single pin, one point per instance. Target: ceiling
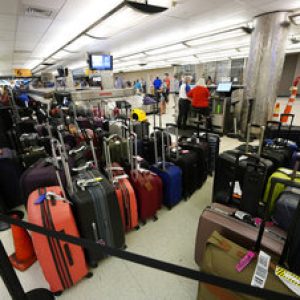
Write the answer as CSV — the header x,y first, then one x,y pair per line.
x,y
26,40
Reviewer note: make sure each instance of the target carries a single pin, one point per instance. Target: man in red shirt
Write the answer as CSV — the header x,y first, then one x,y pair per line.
x,y
199,96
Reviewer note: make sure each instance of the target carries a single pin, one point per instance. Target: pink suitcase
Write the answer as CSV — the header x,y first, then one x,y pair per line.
x,y
63,264
219,218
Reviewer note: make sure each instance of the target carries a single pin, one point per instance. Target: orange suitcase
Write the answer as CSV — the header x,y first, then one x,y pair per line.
x,y
63,264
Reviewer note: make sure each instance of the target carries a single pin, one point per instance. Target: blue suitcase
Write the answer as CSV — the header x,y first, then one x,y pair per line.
x,y
170,174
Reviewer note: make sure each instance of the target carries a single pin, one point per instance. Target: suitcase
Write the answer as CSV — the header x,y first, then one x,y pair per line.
x,y
32,155
221,261
96,208
10,190
63,264
148,189
220,218
123,189
141,129
281,173
285,207
189,163
170,175
202,148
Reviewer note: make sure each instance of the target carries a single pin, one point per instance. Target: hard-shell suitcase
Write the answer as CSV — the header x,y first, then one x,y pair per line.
x,y
141,129
63,264
221,218
95,206
221,261
286,206
147,186
189,163
170,174
123,188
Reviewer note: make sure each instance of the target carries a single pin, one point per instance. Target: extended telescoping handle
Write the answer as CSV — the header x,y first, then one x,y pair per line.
x,y
55,145
91,142
107,156
274,123
261,137
163,154
172,125
292,116
134,148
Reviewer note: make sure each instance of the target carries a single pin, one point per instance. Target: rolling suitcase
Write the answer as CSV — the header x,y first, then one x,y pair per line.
x,y
63,264
123,189
221,218
221,260
282,173
170,174
148,188
96,208
189,163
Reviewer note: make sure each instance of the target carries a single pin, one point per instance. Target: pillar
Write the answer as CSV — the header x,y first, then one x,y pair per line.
x,y
264,67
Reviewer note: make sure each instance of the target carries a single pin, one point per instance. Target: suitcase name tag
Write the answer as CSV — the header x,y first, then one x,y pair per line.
x,y
291,280
245,261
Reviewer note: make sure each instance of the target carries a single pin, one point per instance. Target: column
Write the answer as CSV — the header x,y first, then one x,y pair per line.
x,y
265,64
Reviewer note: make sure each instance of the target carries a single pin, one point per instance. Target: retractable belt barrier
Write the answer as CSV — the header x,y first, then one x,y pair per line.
x,y
152,263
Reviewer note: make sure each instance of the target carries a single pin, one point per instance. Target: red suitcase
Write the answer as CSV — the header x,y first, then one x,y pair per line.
x,y
63,264
147,185
220,218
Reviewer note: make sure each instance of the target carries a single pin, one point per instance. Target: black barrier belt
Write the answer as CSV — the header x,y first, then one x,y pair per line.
x,y
153,263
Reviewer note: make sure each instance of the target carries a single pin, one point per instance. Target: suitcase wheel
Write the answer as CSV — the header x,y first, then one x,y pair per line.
x,y
89,275
137,227
155,218
57,294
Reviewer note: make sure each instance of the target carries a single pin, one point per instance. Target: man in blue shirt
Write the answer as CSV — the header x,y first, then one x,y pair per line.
x,y
157,83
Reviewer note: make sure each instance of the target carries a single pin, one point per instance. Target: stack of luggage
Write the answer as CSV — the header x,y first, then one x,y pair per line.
x,y
96,177
250,233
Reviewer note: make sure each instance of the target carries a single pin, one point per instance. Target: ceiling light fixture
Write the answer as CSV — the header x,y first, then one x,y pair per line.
x,y
166,49
78,44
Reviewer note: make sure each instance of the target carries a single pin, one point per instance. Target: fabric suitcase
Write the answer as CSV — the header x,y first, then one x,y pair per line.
x,y
281,173
221,257
203,151
220,218
63,264
97,212
126,198
189,163
10,190
32,155
286,206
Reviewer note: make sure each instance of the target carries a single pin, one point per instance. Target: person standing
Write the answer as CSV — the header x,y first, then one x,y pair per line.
x,y
144,86
157,84
176,95
138,86
168,86
184,102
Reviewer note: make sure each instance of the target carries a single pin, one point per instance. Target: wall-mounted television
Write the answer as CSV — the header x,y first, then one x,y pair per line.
x,y
100,62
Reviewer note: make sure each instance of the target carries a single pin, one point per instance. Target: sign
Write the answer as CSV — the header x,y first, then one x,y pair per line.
x,y
22,73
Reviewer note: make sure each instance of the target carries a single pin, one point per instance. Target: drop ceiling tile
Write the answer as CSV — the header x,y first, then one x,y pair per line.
x,y
24,46
9,7
7,23
33,37
32,25
6,35
53,4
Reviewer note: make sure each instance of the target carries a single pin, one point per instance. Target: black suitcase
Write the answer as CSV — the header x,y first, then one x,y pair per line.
x,y
96,208
251,172
141,129
190,164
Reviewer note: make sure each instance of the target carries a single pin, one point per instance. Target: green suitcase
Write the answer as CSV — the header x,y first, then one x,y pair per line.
x,y
220,258
281,173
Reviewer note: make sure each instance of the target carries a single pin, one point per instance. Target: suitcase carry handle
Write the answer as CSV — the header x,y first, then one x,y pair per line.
x,y
78,150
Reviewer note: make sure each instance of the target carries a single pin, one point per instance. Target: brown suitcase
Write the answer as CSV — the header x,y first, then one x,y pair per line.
x,y
221,257
219,218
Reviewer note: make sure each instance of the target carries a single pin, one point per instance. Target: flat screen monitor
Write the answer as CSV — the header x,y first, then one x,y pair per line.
x,y
101,62
224,87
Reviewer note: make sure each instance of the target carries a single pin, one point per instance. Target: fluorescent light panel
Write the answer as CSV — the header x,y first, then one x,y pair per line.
x,y
166,49
134,56
217,37
79,43
120,21
61,54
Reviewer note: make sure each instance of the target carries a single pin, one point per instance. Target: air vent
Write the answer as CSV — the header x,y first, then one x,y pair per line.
x,y
38,12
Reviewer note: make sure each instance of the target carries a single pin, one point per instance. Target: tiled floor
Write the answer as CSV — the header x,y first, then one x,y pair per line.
x,y
170,239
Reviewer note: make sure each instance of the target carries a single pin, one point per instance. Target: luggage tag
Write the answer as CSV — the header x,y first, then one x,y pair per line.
x,y
245,261
291,280
83,183
262,270
50,196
